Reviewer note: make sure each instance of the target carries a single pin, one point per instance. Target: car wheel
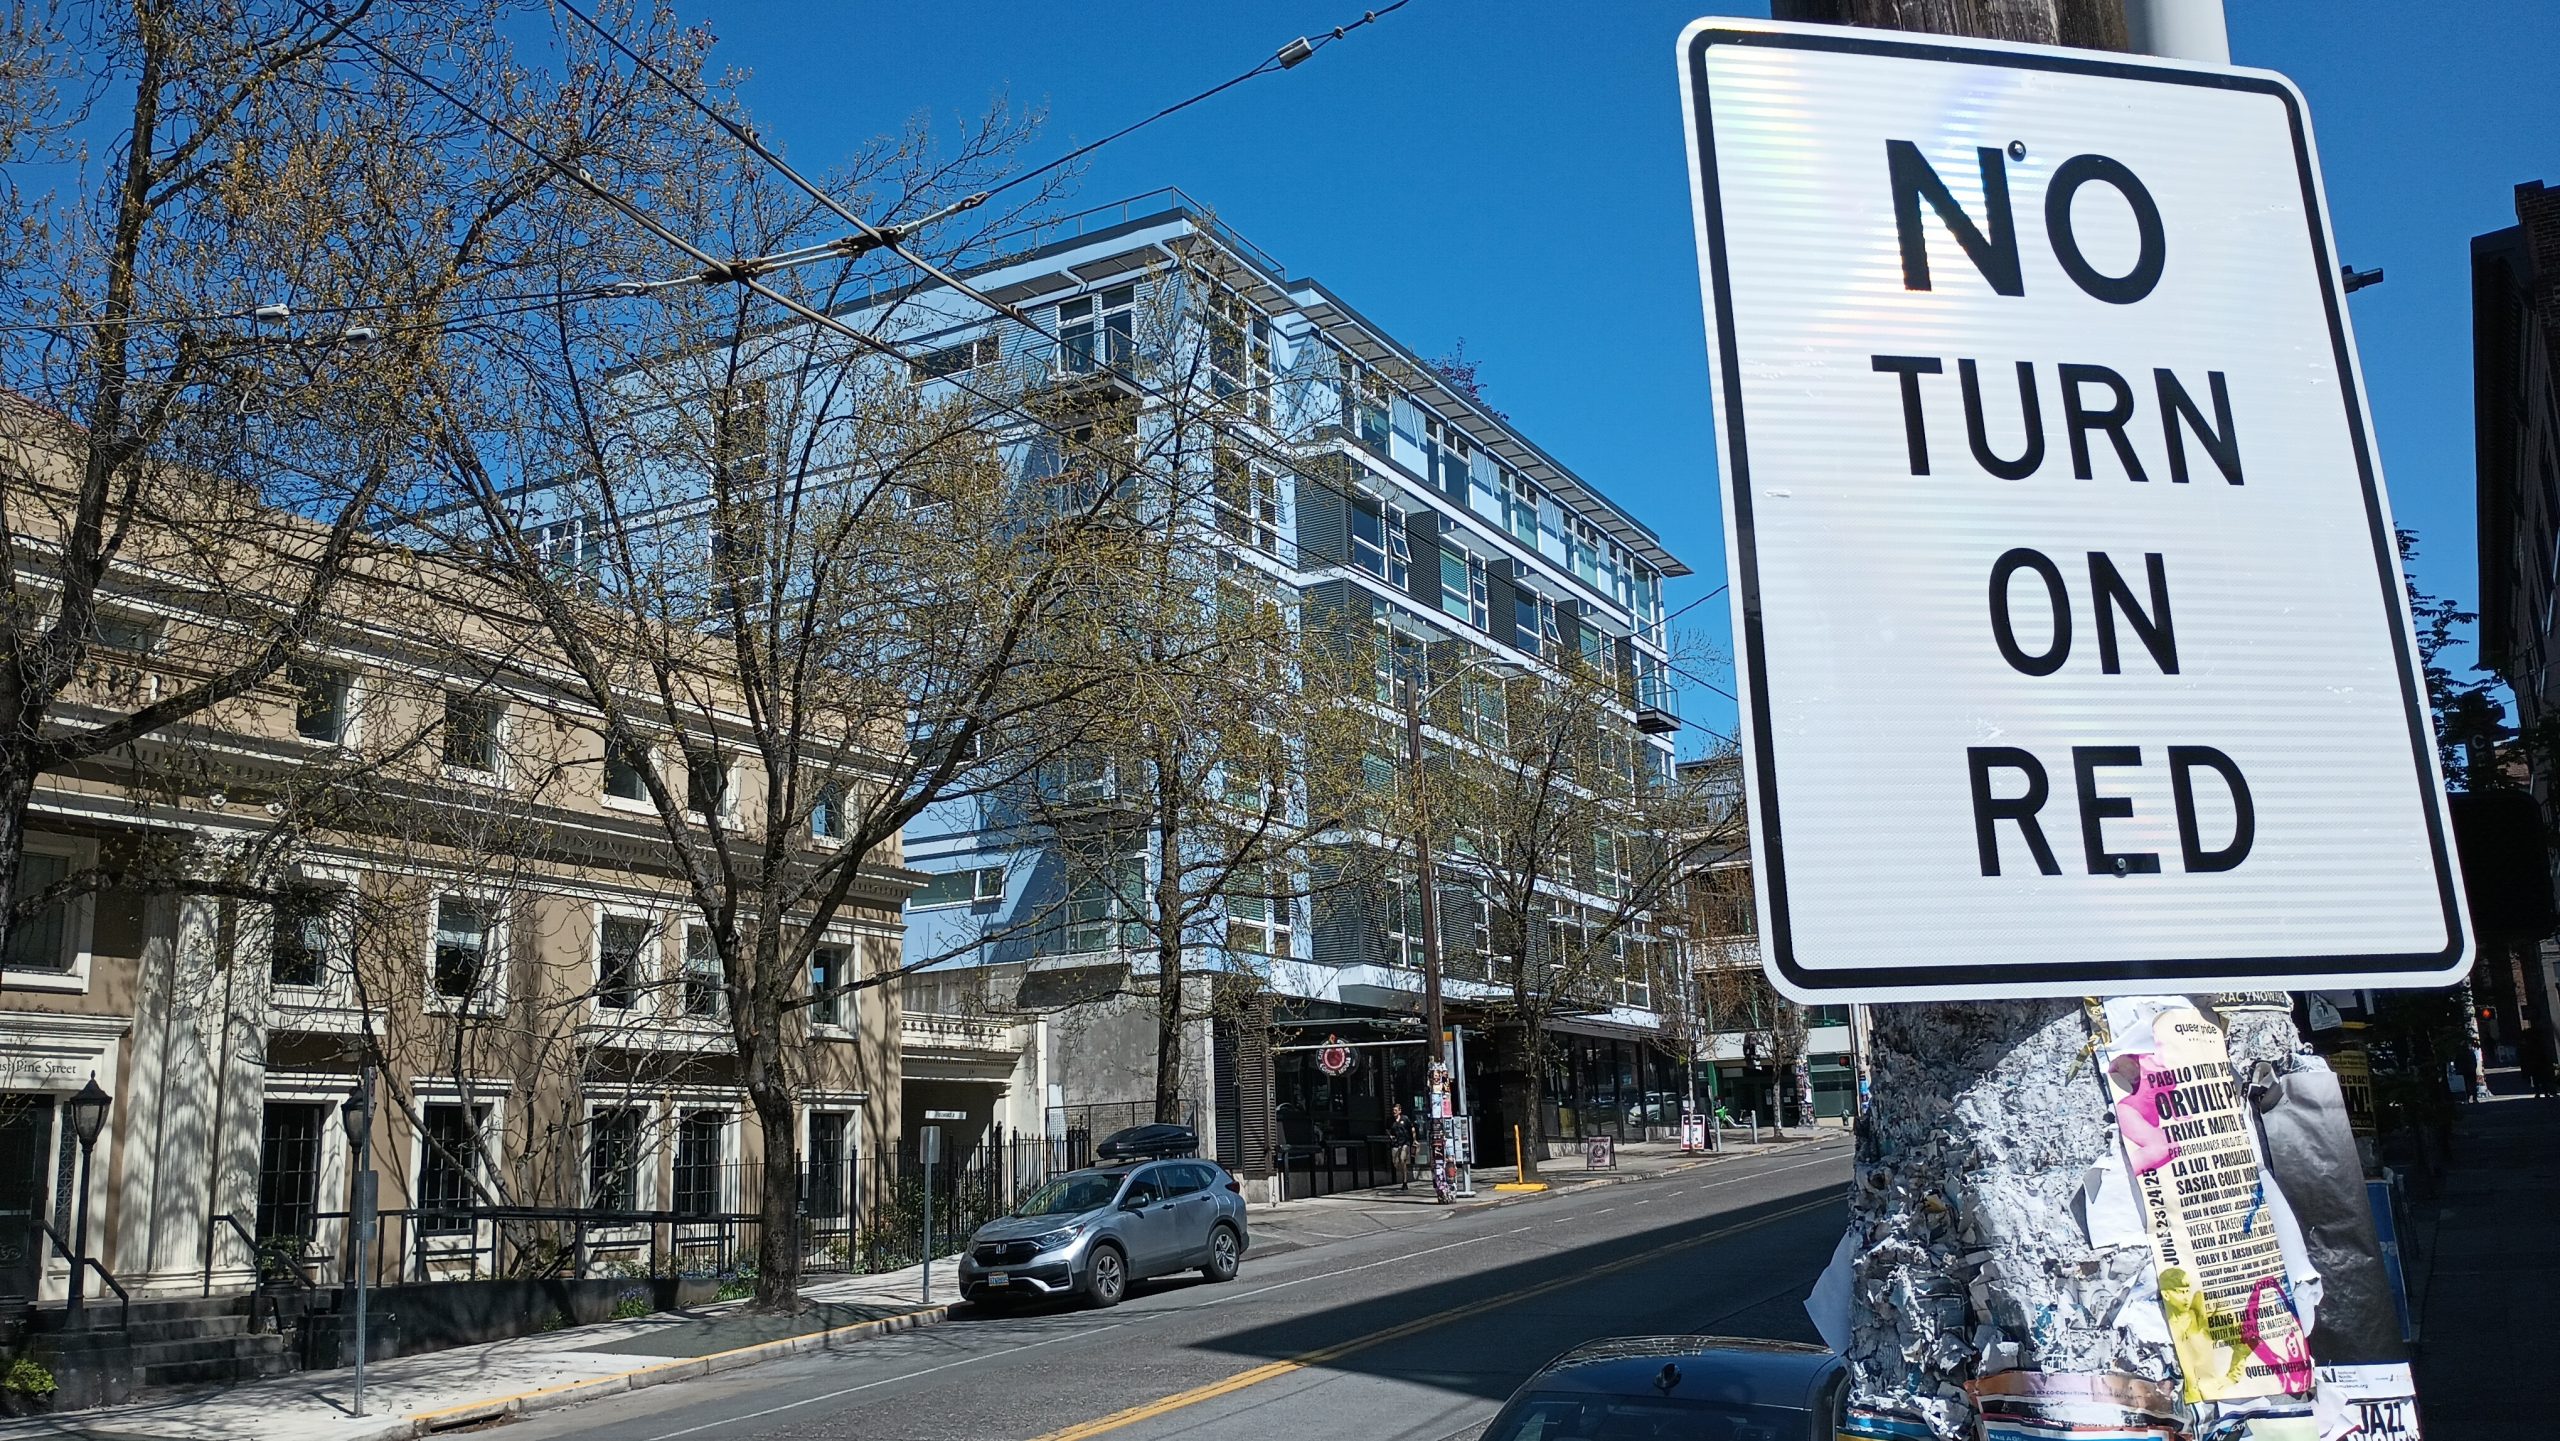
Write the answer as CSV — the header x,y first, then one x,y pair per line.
x,y
1110,1279
1223,1253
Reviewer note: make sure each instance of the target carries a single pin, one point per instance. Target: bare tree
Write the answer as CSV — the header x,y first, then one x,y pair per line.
x,y
1197,786
813,571
1577,845
222,338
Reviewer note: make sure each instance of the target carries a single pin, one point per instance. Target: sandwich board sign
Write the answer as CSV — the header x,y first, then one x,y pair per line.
x,y
2074,651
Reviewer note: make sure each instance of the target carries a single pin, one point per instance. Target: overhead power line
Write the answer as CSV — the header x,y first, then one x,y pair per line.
x,y
1288,57
1693,605
751,279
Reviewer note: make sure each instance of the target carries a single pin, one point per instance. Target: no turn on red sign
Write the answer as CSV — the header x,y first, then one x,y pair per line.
x,y
2074,652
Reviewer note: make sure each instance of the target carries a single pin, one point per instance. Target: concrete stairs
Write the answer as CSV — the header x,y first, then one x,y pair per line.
x,y
185,1341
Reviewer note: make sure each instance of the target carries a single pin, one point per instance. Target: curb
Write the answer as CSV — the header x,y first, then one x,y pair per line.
x,y
682,1368
1558,1188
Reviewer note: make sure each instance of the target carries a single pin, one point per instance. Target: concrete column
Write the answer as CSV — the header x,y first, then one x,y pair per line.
x,y
149,1092
199,1049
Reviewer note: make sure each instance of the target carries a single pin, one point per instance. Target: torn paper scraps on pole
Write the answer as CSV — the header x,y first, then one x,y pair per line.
x,y
2191,1154
2367,1403
1834,1292
2041,1405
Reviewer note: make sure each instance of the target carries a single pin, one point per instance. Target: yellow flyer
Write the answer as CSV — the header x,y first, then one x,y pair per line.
x,y
2193,1157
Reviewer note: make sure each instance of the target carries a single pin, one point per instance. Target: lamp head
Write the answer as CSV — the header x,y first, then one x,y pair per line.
x,y
89,1112
356,1113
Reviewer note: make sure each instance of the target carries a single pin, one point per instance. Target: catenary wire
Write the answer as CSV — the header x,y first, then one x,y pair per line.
x,y
814,316
529,299
1278,60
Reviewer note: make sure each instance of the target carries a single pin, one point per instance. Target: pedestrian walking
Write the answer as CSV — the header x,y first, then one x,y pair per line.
x,y
2537,1067
1400,1141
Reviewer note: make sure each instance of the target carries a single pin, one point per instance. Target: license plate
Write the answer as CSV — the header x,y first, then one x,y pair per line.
x,y
997,1278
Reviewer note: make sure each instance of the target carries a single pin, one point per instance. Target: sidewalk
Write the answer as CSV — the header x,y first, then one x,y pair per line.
x,y
2486,1299
1317,1220
442,1389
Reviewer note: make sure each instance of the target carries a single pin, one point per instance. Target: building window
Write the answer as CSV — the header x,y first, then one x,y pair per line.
x,y
826,976
1402,914
41,942
1257,918
826,814
462,948
471,733
697,1173
568,548
1248,503
626,775
830,1165
1378,542
319,702
1365,405
448,1157
613,1159
621,949
1097,903
303,944
1465,591
957,359
1098,330
959,888
706,783
289,1172
705,998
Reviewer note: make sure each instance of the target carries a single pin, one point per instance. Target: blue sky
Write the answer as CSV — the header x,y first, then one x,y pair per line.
x,y
1511,174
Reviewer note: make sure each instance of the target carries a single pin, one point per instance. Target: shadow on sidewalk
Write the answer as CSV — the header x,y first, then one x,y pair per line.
x,y
2484,1313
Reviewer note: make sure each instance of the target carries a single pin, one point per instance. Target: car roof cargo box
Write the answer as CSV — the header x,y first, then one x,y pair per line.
x,y
1151,1142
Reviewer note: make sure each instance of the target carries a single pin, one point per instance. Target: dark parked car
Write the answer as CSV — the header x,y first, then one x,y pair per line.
x,y
1090,1233
1678,1388
1156,1140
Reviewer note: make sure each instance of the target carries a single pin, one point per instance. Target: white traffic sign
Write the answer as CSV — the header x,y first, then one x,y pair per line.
x,y
2074,652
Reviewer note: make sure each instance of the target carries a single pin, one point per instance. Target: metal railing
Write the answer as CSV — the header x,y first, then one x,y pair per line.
x,y
1326,1167
860,1213
124,1299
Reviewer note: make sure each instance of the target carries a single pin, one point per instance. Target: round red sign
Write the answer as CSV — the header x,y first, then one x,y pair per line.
x,y
1335,1058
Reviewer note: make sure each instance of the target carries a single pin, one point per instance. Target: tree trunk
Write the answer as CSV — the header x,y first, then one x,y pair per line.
x,y
1533,1126
778,1204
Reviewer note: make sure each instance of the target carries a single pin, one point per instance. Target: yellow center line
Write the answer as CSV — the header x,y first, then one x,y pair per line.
x,y
1273,1369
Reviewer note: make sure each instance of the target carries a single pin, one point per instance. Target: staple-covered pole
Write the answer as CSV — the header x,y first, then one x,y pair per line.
x,y
1985,1115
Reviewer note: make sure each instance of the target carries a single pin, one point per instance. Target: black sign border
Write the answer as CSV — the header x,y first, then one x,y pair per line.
x,y
1778,942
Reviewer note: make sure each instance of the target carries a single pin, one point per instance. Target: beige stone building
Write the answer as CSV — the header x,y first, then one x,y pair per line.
x,y
406,847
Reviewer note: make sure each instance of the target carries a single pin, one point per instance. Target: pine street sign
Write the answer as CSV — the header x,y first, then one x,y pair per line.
x,y
2074,650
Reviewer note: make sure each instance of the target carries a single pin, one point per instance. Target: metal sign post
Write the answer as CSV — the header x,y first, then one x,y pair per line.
x,y
929,1154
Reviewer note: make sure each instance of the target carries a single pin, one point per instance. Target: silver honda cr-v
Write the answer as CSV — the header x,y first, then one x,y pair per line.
x,y
1090,1233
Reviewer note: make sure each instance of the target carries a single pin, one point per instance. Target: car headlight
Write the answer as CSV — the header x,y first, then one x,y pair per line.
x,y
1055,1239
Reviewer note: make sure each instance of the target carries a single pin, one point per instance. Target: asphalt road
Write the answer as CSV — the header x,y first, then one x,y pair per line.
x,y
1411,1335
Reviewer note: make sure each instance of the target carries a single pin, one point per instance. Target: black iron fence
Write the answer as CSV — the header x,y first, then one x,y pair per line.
x,y
855,1213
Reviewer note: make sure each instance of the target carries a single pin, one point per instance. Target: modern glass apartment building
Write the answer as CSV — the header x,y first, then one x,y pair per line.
x,y
1389,496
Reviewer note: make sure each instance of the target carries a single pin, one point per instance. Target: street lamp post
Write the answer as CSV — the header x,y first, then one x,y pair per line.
x,y
357,1114
88,1121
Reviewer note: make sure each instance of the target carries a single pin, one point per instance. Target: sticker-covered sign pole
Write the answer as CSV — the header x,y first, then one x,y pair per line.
x,y
2076,390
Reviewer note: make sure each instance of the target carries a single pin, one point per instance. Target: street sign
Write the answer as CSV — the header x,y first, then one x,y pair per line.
x,y
2073,648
